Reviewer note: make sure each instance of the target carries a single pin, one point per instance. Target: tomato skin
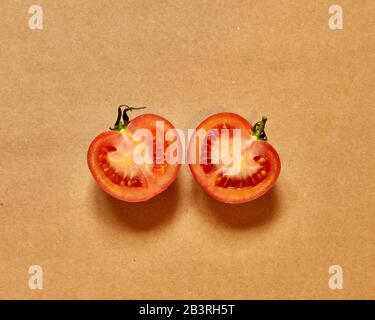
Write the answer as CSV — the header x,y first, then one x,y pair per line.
x,y
229,117
237,195
108,138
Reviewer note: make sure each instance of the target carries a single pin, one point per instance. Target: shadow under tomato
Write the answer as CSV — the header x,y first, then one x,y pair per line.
x,y
141,216
243,216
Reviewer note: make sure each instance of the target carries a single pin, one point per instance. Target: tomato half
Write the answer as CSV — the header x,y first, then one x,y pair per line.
x,y
111,162
259,164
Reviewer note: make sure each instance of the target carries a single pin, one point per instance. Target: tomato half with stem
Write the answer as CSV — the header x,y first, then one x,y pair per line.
x,y
257,167
112,163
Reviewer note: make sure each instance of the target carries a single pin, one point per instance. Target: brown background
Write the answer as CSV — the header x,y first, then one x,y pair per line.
x,y
186,60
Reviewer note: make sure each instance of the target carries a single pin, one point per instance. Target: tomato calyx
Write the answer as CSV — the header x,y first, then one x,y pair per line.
x,y
258,129
120,125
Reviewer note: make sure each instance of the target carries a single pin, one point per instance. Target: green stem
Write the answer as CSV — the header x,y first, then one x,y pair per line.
x,y
119,125
258,129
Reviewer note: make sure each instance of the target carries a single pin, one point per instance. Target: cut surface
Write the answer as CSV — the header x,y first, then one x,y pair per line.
x,y
111,161
224,178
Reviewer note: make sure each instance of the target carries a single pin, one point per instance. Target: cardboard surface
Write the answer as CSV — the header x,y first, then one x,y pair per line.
x,y
185,60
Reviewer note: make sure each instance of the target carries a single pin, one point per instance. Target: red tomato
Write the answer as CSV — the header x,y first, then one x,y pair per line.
x,y
259,167
110,160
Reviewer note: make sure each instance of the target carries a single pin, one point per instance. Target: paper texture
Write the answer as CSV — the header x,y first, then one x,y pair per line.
x,y
185,60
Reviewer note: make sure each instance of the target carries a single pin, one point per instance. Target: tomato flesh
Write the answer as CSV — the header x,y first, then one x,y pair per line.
x,y
259,165
110,159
